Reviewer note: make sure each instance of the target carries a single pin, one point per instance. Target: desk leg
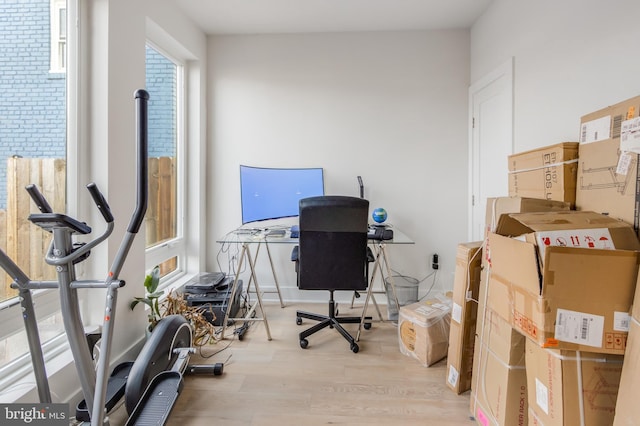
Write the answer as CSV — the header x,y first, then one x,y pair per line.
x,y
248,317
258,296
273,272
234,288
376,266
382,257
387,264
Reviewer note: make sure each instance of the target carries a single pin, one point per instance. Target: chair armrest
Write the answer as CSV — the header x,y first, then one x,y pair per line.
x,y
294,254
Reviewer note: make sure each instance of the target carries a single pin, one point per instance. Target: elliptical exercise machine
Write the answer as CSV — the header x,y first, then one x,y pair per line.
x,y
151,384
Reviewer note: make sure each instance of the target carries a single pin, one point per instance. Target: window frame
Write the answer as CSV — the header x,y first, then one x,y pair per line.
x,y
175,247
47,301
56,38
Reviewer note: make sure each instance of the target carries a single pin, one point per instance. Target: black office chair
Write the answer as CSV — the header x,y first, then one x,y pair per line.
x,y
332,254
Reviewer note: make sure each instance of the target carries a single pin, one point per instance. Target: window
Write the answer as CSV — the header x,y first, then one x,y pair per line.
x,y
164,226
33,150
58,13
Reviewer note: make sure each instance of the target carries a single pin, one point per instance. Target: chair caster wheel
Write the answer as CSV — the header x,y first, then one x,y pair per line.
x,y
298,320
304,343
355,348
367,325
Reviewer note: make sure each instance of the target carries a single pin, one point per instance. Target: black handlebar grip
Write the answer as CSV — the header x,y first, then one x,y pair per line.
x,y
38,199
100,201
142,99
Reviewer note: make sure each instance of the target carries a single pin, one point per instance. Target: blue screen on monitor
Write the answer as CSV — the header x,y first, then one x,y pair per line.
x,y
272,193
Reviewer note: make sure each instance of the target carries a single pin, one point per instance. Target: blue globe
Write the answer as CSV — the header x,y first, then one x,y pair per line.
x,y
379,215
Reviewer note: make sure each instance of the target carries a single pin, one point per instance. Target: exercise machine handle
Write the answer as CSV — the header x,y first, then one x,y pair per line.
x,y
142,99
100,201
38,199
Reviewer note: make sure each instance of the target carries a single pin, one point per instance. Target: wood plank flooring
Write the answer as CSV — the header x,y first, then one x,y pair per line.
x,y
278,383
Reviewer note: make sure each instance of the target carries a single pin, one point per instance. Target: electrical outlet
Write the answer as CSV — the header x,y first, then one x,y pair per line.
x,y
435,262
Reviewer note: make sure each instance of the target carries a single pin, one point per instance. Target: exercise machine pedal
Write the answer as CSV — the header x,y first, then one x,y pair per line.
x,y
115,391
158,400
206,369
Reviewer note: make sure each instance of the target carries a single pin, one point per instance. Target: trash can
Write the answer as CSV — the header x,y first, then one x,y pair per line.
x,y
406,293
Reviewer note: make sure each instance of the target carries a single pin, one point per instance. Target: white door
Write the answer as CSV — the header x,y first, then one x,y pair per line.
x,y
491,142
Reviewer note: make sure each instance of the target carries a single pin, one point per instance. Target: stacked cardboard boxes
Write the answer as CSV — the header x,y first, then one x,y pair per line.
x,y
553,297
548,282
498,382
564,281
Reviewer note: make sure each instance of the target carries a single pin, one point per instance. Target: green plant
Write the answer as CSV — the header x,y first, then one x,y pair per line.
x,y
152,295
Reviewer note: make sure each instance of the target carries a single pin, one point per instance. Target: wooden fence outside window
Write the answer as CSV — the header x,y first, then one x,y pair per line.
x,y
26,243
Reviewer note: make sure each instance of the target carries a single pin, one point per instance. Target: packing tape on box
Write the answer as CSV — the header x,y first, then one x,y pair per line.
x,y
467,291
545,166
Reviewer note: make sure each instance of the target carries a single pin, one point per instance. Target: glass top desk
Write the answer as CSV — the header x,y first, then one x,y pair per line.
x,y
246,238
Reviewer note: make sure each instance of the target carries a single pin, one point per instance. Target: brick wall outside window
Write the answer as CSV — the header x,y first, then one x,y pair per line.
x,y
32,100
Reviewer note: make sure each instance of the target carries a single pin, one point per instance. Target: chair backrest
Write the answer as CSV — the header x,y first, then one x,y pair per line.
x,y
333,243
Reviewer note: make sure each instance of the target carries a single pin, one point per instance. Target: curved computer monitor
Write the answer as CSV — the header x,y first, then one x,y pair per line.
x,y
273,193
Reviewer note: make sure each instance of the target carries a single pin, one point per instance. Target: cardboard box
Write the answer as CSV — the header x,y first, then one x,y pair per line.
x,y
565,297
423,330
463,316
607,176
548,173
499,382
569,388
498,206
627,406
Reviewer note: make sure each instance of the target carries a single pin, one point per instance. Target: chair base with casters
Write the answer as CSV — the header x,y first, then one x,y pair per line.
x,y
331,321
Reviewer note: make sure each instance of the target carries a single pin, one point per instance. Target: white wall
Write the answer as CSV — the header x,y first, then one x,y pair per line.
x,y
571,57
388,106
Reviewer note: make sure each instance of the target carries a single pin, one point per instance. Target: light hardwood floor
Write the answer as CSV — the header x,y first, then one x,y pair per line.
x,y
278,383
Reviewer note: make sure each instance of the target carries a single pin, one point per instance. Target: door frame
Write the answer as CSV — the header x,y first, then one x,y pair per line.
x,y
504,71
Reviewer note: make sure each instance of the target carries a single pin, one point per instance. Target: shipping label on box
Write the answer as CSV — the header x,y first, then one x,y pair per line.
x,y
579,327
596,130
630,135
586,329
